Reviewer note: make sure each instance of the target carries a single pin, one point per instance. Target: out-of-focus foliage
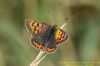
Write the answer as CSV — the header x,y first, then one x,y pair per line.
x,y
83,29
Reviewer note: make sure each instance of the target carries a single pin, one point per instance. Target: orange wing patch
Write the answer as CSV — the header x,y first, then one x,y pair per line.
x,y
35,26
50,49
60,36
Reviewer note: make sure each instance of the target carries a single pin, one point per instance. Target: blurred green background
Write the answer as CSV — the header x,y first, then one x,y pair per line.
x,y
83,28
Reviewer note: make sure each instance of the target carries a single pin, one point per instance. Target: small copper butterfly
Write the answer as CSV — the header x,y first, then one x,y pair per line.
x,y
44,36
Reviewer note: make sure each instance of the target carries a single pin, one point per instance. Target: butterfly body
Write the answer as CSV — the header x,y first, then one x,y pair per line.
x,y
44,36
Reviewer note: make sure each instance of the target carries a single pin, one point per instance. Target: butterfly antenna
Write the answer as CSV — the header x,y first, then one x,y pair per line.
x,y
62,27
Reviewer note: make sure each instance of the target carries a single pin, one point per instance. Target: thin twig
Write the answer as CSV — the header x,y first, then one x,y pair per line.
x,y
38,58
62,27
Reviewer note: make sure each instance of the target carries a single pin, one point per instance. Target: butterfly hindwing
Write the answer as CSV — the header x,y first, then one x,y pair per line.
x,y
51,47
37,44
36,27
40,45
60,36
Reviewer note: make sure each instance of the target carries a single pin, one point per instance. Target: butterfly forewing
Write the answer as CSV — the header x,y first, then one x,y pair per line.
x,y
60,36
36,27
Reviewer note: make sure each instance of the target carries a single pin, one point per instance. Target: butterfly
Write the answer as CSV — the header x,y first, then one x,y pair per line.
x,y
44,36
